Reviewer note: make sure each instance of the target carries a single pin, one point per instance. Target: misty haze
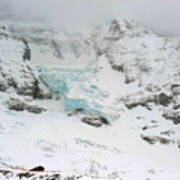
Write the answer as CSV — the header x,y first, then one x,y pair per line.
x,y
160,16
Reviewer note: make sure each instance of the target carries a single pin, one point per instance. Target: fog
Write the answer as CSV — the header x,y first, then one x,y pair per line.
x,y
162,16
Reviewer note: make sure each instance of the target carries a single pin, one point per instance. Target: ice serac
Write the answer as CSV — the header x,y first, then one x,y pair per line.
x,y
79,89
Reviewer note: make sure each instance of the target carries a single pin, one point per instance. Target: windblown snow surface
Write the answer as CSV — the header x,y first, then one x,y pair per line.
x,y
119,71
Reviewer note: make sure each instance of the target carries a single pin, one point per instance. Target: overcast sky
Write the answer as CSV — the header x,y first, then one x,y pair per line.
x,y
163,16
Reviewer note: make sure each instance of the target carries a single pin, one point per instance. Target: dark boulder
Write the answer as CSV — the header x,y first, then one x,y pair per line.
x,y
96,121
38,168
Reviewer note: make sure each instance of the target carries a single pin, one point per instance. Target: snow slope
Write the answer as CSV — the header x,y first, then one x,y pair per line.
x,y
119,71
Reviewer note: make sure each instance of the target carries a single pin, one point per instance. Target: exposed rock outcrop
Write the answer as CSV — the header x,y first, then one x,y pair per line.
x,y
3,85
173,115
18,173
142,99
18,104
96,121
27,51
38,168
154,139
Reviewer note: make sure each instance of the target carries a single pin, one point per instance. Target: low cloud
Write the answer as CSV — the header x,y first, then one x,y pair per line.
x,y
162,16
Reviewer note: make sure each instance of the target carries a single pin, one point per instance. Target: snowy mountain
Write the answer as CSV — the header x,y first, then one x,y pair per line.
x,y
95,105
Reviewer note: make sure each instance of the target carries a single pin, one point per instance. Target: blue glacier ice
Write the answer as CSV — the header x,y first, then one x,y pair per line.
x,y
72,104
56,84
77,88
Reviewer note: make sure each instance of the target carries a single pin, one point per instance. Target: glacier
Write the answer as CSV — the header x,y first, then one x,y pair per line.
x,y
118,70
79,89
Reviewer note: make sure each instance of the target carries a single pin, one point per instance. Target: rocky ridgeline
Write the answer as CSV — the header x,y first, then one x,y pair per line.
x,y
17,77
151,64
22,82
